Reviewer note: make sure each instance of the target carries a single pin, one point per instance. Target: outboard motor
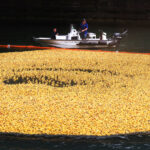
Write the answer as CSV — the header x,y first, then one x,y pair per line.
x,y
120,35
117,37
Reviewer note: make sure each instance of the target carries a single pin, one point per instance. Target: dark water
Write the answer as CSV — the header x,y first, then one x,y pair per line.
x,y
122,142
138,40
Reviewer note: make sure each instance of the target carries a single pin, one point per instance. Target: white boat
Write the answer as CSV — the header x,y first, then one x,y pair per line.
x,y
73,40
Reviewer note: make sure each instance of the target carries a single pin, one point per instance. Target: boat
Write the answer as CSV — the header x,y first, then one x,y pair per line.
x,y
73,40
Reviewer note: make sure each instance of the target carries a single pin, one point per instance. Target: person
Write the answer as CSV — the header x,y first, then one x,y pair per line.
x,y
54,33
84,29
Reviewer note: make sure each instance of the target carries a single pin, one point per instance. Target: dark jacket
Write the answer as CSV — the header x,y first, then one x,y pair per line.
x,y
53,35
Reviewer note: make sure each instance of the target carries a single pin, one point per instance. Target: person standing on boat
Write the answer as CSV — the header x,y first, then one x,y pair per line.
x,y
84,29
54,33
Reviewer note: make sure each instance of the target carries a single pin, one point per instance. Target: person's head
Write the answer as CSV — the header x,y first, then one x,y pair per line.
x,y
84,21
54,30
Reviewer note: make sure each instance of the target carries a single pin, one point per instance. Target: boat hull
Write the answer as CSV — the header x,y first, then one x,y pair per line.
x,y
81,44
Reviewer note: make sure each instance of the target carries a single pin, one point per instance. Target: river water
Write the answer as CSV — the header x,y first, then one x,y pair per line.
x,y
138,40
122,142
